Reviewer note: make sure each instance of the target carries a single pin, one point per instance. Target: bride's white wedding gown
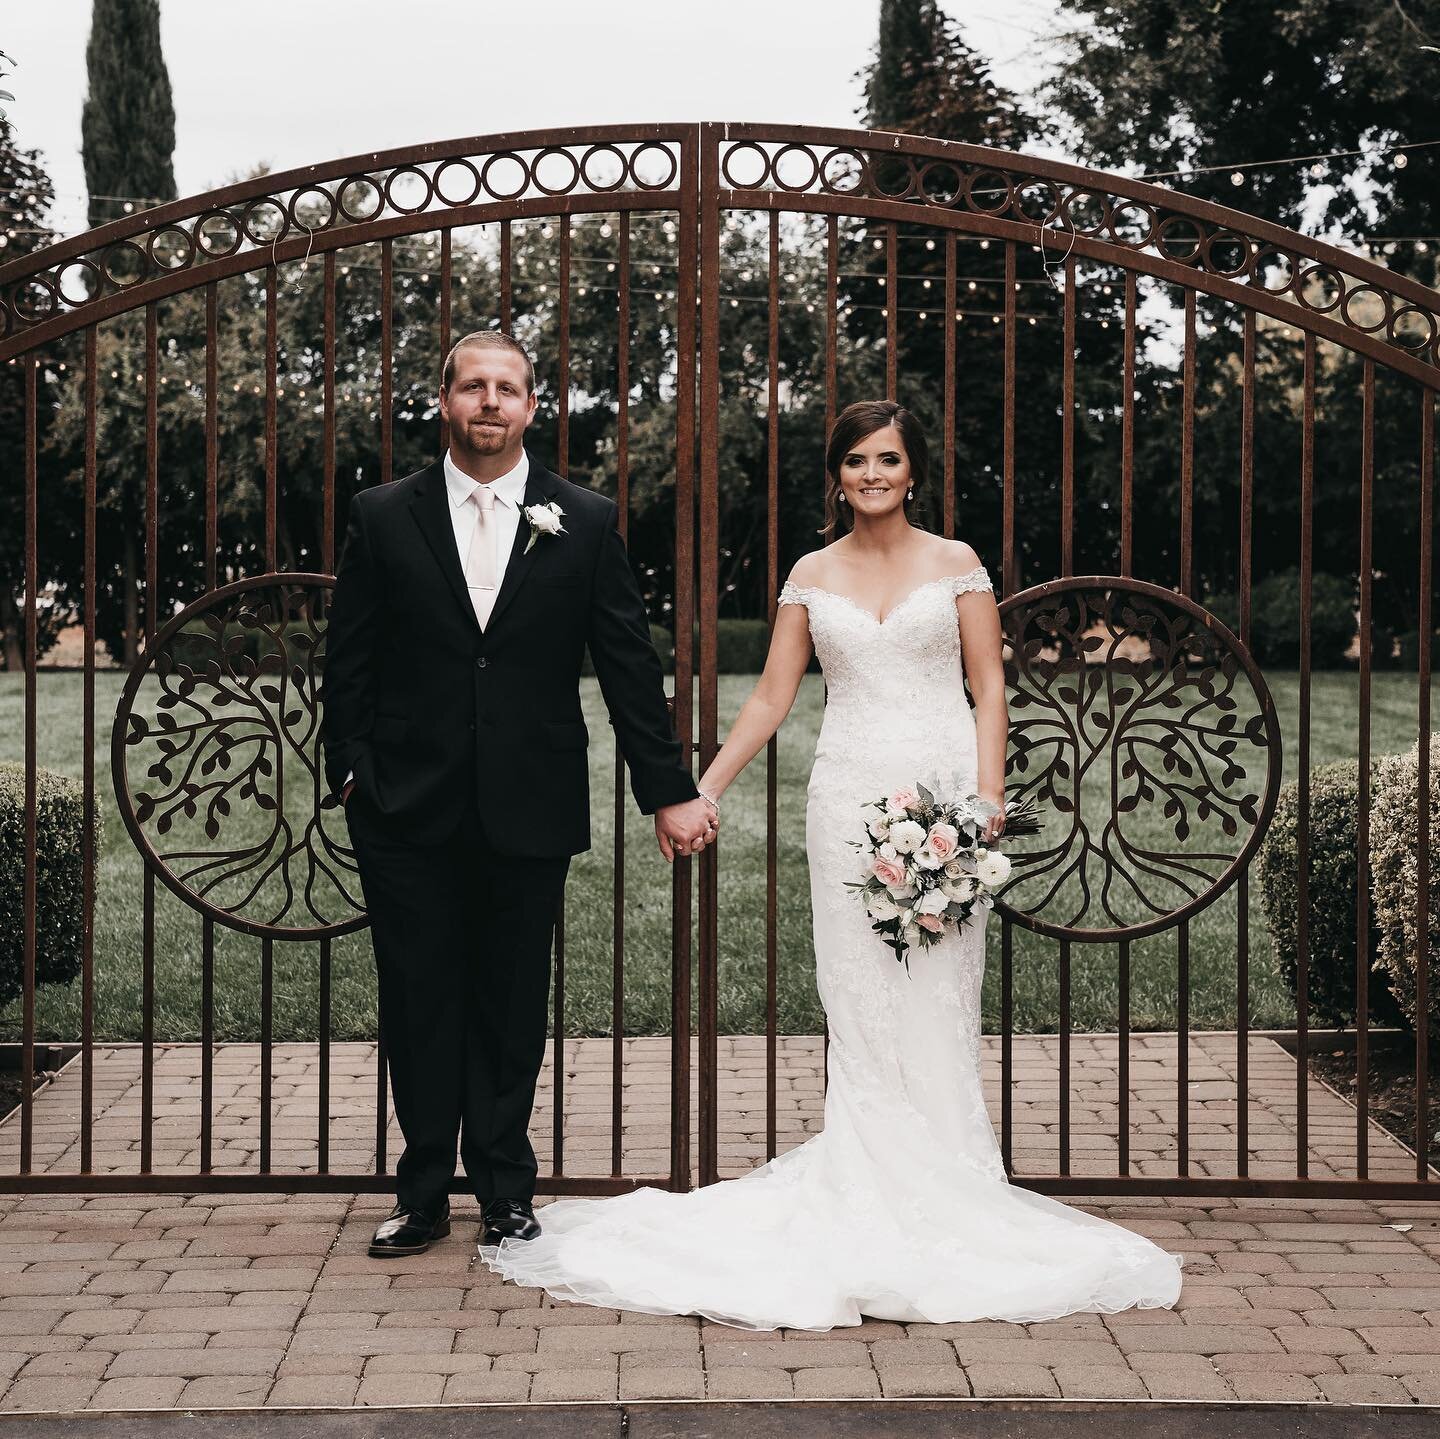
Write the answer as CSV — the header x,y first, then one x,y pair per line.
x,y
900,1208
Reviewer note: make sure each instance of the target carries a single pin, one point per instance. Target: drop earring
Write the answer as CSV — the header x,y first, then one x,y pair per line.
x,y
842,498
911,495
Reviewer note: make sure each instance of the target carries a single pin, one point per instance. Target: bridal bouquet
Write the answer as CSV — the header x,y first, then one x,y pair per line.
x,y
924,867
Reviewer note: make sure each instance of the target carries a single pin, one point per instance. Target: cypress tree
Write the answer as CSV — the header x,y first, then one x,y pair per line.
x,y
925,80
128,123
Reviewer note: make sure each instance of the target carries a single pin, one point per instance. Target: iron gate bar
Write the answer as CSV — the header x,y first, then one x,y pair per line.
x,y
1187,452
1122,1127
1010,581
267,1047
686,438
1127,434
709,525
272,384
87,851
772,747
1302,939
1067,424
1362,835
207,1048
1063,1073
622,501
892,313
446,264
562,444
1242,890
507,312
27,1016
212,421
1422,897
948,520
322,1103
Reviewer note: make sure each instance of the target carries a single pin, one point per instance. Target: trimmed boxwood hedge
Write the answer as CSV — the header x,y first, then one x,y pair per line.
x,y
1334,808
59,911
1395,877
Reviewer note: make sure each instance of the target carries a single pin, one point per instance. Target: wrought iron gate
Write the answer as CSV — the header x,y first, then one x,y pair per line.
x,y
228,683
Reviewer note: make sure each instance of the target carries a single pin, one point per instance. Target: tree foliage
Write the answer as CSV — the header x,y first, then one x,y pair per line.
x,y
127,125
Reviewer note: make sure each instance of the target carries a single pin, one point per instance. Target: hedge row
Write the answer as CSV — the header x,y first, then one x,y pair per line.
x,y
1391,948
59,912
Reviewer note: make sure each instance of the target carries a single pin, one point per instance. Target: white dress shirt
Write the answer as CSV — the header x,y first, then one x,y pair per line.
x,y
509,491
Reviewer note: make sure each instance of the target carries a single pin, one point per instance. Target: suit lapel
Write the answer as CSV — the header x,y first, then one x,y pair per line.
x,y
540,485
430,505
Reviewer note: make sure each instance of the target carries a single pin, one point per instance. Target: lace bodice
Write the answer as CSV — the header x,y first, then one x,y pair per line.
x,y
901,675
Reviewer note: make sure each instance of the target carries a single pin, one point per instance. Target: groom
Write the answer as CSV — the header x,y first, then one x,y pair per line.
x,y
466,596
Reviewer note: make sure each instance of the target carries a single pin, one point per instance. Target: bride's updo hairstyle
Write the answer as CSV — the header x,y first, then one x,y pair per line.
x,y
853,424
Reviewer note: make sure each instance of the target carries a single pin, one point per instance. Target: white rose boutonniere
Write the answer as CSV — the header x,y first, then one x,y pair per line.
x,y
543,520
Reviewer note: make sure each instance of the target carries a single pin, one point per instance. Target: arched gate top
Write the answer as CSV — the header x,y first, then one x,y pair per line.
x,y
1066,209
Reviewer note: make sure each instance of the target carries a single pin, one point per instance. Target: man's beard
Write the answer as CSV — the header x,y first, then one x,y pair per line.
x,y
486,439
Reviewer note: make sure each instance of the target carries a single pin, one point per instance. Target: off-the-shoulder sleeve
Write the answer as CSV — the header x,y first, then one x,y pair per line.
x,y
793,594
972,580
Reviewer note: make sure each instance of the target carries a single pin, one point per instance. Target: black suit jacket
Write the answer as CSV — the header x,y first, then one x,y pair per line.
x,y
432,713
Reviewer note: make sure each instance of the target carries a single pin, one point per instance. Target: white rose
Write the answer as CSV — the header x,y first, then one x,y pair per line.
x,y
888,851
934,902
953,869
926,858
879,828
881,907
907,836
993,869
958,889
545,518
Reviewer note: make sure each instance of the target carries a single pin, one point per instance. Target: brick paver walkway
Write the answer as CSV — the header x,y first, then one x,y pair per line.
x,y
123,1302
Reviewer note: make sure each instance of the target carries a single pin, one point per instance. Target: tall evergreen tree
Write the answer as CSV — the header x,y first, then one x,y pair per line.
x,y
127,126
925,80
127,131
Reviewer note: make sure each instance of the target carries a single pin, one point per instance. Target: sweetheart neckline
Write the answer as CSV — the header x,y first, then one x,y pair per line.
x,y
898,605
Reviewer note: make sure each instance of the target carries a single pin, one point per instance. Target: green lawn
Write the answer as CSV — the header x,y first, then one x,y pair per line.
x,y
589,909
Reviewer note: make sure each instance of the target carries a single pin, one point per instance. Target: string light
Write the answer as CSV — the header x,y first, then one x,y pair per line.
x,y
1399,159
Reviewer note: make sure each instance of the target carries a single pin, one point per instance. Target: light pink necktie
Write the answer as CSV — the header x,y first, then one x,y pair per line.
x,y
480,569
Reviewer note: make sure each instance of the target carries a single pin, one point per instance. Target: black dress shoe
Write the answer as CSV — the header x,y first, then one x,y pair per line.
x,y
508,1219
408,1231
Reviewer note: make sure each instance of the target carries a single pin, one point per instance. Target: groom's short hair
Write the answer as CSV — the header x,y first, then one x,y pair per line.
x,y
487,340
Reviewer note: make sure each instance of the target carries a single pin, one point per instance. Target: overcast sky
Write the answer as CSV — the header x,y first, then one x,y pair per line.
x,y
297,82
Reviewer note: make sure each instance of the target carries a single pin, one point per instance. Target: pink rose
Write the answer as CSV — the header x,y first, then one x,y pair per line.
x,y
889,871
932,922
903,799
944,840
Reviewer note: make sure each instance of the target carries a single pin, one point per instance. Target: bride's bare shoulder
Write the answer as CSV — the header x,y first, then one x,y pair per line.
x,y
954,557
809,569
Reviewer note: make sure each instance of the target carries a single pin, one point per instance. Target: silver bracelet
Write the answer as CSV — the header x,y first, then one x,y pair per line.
x,y
709,799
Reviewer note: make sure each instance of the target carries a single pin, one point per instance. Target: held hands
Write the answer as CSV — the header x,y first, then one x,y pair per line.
x,y
686,828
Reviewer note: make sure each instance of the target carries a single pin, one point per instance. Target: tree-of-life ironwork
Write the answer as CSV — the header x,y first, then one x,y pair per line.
x,y
217,729
1124,695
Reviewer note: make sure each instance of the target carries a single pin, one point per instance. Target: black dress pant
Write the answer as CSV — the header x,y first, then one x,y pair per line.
x,y
462,937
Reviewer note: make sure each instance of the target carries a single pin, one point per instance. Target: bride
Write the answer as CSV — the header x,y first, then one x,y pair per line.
x,y
900,1208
